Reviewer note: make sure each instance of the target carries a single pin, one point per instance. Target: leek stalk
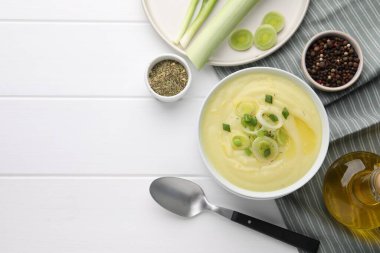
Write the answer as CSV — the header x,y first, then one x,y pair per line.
x,y
187,19
217,30
206,9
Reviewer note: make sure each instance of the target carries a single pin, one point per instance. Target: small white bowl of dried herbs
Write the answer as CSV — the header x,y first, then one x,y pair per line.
x,y
168,77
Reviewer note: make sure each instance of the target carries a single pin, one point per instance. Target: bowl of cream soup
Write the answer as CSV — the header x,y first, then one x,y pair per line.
x,y
263,133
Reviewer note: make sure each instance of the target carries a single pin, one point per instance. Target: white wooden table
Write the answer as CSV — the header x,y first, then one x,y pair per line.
x,y
81,139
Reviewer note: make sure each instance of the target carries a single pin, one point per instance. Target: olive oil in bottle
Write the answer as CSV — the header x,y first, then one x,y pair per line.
x,y
351,190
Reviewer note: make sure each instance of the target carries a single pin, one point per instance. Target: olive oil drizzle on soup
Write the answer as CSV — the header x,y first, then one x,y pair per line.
x,y
261,131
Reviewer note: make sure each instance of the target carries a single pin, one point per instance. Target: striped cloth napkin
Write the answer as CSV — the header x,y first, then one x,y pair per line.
x,y
354,117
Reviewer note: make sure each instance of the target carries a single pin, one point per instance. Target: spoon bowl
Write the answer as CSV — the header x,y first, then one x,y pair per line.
x,y
179,196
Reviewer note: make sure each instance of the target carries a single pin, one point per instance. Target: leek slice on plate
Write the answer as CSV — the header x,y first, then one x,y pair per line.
x,y
241,40
274,19
265,37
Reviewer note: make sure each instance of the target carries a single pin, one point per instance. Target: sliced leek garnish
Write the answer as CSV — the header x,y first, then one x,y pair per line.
x,y
252,130
269,118
240,142
245,108
265,148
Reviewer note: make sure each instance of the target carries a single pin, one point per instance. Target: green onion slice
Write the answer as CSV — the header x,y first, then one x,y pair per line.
x,y
269,99
285,113
226,127
249,121
247,118
273,117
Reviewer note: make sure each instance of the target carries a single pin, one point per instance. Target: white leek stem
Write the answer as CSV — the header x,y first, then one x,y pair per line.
x,y
206,9
187,19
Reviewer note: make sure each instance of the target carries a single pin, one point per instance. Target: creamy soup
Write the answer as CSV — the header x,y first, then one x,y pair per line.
x,y
261,131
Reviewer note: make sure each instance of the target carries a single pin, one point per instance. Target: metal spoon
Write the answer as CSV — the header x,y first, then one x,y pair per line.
x,y
187,199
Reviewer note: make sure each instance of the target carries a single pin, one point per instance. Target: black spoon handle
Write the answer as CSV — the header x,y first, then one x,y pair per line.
x,y
282,234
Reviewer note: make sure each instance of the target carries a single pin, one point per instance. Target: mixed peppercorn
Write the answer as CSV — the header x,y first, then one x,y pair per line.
x,y
332,61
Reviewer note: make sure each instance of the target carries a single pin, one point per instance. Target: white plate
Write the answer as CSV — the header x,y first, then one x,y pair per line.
x,y
166,16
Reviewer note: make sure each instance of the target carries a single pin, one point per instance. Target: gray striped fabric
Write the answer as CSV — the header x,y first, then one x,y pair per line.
x,y
354,116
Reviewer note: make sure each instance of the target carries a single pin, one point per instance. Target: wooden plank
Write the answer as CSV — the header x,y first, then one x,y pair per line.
x,y
100,10
71,59
99,136
118,215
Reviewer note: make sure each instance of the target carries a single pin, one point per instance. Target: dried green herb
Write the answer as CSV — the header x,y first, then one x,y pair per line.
x,y
168,78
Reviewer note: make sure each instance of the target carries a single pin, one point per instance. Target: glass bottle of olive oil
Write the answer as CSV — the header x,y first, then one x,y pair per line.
x,y
352,190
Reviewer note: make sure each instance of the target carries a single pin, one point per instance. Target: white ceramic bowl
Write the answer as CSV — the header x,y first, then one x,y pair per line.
x,y
354,44
317,163
162,58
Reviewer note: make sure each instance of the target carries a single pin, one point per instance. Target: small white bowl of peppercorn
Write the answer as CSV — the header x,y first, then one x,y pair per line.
x,y
332,61
168,77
